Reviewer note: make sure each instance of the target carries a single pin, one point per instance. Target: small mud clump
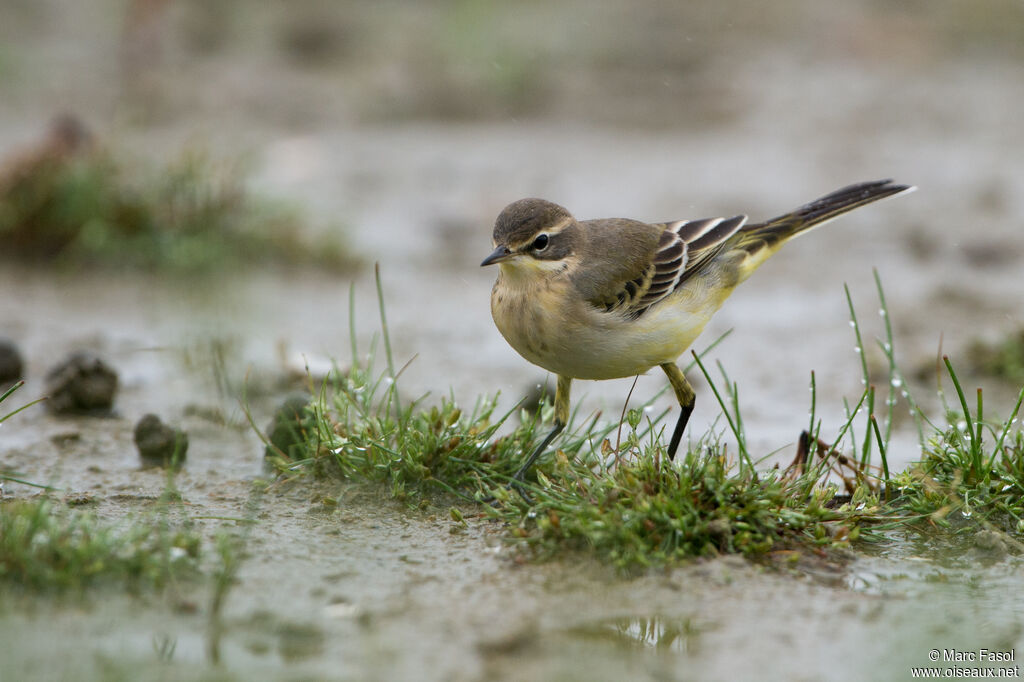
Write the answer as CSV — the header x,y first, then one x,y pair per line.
x,y
160,444
82,384
989,547
286,432
12,368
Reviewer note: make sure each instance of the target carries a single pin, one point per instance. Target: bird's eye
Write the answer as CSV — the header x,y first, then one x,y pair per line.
x,y
540,243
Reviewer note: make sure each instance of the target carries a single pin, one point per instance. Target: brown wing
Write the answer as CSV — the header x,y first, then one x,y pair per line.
x,y
685,248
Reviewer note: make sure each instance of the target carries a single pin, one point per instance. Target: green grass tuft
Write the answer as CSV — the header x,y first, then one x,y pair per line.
x,y
629,505
45,547
83,204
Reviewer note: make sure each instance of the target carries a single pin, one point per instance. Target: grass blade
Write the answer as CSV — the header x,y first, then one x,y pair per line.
x,y
1009,422
737,431
975,445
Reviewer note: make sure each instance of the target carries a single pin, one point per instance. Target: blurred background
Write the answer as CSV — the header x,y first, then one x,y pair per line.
x,y
265,155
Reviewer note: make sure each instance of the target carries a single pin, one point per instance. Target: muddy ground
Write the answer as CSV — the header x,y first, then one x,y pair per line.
x,y
745,112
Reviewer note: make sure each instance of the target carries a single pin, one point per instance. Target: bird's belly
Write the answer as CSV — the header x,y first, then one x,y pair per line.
x,y
587,343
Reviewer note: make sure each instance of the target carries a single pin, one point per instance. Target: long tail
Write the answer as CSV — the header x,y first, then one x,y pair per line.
x,y
761,240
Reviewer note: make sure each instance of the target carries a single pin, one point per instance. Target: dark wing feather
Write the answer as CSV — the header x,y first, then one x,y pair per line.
x,y
685,248
667,265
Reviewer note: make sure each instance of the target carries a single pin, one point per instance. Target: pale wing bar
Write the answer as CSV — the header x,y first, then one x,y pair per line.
x,y
708,243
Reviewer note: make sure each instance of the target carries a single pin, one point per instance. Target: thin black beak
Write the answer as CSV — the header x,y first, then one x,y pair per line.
x,y
501,253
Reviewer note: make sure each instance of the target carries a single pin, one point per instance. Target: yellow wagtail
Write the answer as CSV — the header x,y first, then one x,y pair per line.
x,y
612,298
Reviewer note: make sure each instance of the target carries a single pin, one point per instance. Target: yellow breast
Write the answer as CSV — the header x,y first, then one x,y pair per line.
x,y
542,320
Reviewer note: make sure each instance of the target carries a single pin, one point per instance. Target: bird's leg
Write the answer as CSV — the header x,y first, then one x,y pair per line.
x,y
686,397
561,419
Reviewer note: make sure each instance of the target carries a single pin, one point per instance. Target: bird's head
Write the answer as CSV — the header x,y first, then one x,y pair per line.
x,y
533,235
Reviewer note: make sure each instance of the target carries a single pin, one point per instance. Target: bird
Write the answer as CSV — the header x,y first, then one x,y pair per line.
x,y
612,298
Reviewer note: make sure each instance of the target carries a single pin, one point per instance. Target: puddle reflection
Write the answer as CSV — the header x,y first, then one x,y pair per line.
x,y
681,635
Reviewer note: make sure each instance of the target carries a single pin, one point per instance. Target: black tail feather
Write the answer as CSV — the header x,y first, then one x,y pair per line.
x,y
781,228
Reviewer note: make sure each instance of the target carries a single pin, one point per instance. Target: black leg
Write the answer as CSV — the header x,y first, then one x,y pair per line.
x,y
537,452
561,419
677,435
686,397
